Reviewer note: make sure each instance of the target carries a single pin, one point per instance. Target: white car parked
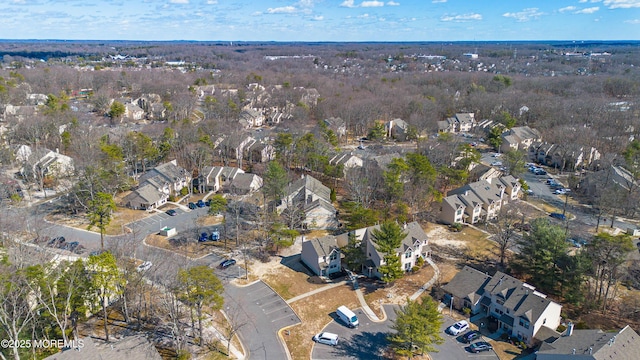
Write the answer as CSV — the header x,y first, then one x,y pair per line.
x,y
144,266
326,338
458,328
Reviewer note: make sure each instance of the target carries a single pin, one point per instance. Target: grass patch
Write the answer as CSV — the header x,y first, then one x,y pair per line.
x,y
315,314
290,282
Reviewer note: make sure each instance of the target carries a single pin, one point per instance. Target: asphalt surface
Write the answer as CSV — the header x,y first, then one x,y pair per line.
x,y
261,313
367,341
256,309
454,349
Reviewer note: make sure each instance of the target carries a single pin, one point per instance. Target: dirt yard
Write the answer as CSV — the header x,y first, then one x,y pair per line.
x,y
314,312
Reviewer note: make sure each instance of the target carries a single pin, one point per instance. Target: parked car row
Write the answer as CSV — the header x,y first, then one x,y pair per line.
x,y
536,170
214,236
469,337
61,243
199,204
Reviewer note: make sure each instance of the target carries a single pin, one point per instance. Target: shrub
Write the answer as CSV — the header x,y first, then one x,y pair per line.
x,y
420,262
415,268
184,191
466,311
457,227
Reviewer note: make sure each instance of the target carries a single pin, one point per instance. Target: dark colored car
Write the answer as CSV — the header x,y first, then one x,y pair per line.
x,y
225,264
171,212
207,203
479,346
192,206
470,336
56,241
200,203
558,216
203,237
215,236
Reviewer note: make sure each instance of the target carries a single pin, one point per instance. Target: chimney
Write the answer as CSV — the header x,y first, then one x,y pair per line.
x,y
590,350
570,329
573,352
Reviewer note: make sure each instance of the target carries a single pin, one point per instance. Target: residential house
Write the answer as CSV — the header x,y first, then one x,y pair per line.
x,y
168,177
337,125
414,245
573,156
541,152
259,151
215,178
521,311
478,201
397,129
322,255
311,199
234,146
483,172
40,163
465,122
592,344
251,118
244,183
460,122
309,97
347,160
136,347
145,197
133,111
202,91
614,176
519,138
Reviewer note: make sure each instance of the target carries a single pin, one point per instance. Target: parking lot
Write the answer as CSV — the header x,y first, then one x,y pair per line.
x,y
453,349
264,312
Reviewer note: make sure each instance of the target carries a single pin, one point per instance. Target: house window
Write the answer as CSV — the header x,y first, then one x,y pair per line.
x,y
459,212
500,301
407,255
334,255
524,323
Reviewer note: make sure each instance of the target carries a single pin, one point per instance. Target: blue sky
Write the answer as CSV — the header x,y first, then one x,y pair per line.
x,y
321,20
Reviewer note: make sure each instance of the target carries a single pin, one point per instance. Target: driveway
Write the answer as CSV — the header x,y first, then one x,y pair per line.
x,y
367,341
452,349
263,313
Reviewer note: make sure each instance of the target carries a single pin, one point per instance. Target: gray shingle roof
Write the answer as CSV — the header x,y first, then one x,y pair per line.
x,y
595,344
467,284
313,185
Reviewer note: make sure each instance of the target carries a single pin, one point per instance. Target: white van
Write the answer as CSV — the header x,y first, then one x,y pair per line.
x,y
347,316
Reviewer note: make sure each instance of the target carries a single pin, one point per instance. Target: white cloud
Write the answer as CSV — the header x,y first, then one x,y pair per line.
x,y
622,4
282,10
392,3
318,18
461,18
372,4
212,2
363,16
568,8
525,15
634,22
179,1
348,3
590,10
439,1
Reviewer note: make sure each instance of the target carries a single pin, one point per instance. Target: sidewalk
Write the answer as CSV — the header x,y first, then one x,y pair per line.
x,y
429,283
313,292
367,310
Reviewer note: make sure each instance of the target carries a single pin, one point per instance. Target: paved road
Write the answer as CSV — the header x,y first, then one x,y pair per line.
x,y
263,313
452,349
257,305
365,342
